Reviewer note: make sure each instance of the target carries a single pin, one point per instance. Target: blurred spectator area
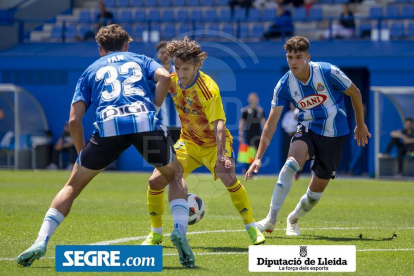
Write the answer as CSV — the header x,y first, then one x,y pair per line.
x,y
212,20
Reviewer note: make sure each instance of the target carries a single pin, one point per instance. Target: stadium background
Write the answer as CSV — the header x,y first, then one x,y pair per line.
x,y
49,69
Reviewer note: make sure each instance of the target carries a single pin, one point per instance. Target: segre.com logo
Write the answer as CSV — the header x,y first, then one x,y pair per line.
x,y
108,258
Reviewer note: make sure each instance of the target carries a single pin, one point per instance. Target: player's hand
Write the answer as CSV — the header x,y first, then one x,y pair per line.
x,y
223,161
254,167
361,134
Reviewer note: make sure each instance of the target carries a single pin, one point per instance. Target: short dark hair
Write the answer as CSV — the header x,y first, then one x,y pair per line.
x,y
297,44
409,119
161,44
186,50
112,38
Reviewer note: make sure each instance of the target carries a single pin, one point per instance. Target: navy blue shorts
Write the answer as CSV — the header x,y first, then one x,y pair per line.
x,y
156,147
325,151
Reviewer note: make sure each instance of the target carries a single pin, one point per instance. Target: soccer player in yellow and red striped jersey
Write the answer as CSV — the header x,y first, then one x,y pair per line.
x,y
204,140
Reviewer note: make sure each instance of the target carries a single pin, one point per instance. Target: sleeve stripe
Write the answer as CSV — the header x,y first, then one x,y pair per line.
x,y
205,87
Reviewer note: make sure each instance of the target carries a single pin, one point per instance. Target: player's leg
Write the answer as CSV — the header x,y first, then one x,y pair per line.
x,y
300,150
92,160
237,193
155,194
329,153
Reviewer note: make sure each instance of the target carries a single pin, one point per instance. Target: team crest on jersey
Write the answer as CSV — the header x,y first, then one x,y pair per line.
x,y
189,100
311,101
320,87
298,134
174,95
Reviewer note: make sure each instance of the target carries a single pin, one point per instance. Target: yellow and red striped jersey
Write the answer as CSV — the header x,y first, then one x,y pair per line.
x,y
198,106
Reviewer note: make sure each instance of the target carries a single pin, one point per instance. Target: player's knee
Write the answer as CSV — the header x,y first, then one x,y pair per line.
x,y
157,183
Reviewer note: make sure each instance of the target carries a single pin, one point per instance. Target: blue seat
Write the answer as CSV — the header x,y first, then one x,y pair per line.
x,y
341,1
183,29
315,14
84,16
179,3
137,3
193,3
212,30
81,29
300,14
239,14
164,3
196,15
397,29
375,12
222,2
407,12
123,3
410,29
224,15
181,15
210,15
168,15
199,29
138,29
227,28
150,3
206,3
109,3
269,15
124,16
56,31
392,12
168,31
156,27
70,32
153,15
254,15
138,15
364,29
257,30
127,28
243,30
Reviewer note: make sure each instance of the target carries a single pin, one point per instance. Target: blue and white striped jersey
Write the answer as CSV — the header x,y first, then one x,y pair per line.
x,y
320,100
116,86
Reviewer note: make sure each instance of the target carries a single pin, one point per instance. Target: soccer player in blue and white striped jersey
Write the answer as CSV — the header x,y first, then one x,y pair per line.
x,y
116,88
317,89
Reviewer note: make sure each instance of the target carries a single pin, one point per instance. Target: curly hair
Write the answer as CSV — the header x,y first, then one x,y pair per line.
x,y
112,38
186,50
297,44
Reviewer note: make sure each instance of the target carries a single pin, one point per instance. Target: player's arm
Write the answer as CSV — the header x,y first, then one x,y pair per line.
x,y
361,132
220,131
267,135
242,123
163,80
75,124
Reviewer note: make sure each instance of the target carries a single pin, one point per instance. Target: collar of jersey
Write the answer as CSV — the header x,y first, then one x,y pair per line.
x,y
310,76
191,84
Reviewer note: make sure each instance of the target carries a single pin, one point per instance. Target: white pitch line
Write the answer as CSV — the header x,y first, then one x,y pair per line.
x,y
239,230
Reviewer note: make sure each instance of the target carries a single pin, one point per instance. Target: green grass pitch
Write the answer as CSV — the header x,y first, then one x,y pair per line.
x,y
365,213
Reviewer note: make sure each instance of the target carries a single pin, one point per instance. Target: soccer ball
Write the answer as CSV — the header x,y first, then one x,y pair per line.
x,y
197,209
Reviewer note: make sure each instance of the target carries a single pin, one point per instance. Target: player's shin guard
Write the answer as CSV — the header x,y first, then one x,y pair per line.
x,y
52,220
306,203
155,203
240,200
282,188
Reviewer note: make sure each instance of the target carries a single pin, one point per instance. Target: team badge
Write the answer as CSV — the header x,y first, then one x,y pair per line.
x,y
174,95
189,100
298,134
320,87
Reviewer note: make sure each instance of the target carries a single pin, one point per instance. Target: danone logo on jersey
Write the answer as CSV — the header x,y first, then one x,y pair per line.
x,y
311,101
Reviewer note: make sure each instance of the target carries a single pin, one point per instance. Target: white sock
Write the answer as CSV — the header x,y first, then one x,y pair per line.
x,y
306,203
179,211
282,188
247,226
52,220
158,230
